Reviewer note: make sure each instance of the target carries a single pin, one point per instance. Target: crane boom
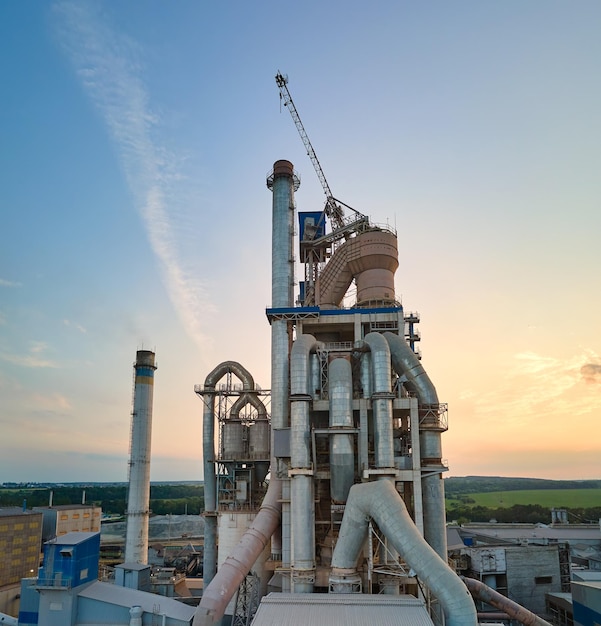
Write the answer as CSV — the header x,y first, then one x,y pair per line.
x,y
333,209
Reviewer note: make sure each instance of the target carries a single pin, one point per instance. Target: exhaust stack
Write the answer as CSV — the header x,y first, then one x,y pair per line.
x,y
138,504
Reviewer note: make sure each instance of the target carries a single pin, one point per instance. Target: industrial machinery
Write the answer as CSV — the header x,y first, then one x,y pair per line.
x,y
354,505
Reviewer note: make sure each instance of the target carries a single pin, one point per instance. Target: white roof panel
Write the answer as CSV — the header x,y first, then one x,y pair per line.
x,y
300,609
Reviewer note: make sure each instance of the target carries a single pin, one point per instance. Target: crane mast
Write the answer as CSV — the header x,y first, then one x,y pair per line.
x,y
333,209
316,248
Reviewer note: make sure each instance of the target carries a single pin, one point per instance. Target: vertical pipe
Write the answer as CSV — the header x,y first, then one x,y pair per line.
x,y
283,184
381,400
342,457
302,502
138,512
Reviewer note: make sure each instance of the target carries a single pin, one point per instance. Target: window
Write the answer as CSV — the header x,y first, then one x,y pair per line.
x,y
543,580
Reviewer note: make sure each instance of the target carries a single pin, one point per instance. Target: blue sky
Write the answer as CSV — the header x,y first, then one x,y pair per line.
x,y
136,141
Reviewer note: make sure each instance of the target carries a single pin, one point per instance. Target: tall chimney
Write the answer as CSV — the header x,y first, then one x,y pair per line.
x,y
138,504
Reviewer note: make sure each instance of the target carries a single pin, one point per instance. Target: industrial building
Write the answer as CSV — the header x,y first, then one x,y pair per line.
x,y
68,518
20,546
326,491
67,590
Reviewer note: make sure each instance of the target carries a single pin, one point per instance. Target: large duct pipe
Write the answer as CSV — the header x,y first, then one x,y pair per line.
x,y
342,456
380,501
302,488
483,592
406,363
224,585
381,400
138,502
208,454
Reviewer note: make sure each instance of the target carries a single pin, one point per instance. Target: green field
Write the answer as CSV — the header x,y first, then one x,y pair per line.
x,y
558,498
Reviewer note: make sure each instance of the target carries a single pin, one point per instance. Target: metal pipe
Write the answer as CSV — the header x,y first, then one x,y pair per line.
x,y
283,183
208,454
138,502
381,400
483,592
342,456
406,363
302,501
222,588
380,501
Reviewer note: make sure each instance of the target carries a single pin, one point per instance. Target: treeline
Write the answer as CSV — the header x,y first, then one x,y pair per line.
x,y
460,485
518,513
165,499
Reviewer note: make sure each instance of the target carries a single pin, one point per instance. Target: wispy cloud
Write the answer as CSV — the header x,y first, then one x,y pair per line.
x,y
535,385
34,358
78,327
8,283
27,360
107,63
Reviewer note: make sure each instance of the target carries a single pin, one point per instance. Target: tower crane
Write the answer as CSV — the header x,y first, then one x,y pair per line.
x,y
332,209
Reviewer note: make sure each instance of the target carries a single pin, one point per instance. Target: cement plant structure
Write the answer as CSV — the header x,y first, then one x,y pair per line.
x,y
355,434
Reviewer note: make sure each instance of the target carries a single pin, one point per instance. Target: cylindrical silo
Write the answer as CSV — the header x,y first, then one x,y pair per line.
x,y
138,504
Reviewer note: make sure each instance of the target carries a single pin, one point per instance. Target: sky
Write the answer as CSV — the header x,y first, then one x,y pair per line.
x,y
136,139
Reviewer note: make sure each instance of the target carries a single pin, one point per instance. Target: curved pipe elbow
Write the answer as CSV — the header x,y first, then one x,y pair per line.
x,y
230,367
380,501
405,362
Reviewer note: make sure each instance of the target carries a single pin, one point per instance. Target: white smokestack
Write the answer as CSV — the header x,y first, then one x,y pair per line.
x,y
138,504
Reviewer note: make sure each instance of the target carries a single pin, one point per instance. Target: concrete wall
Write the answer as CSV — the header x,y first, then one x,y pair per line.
x,y
532,571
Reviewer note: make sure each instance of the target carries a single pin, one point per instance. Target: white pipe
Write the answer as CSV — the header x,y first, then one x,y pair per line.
x,y
302,501
380,501
8,619
342,456
381,400
222,588
405,362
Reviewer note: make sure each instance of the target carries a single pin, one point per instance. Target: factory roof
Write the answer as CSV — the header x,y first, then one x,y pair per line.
x,y
72,539
15,510
65,507
126,597
532,532
287,609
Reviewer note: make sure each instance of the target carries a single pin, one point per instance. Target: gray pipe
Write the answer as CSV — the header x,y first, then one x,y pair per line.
x,y
405,362
208,454
282,185
302,488
483,592
342,457
222,588
381,399
253,400
380,501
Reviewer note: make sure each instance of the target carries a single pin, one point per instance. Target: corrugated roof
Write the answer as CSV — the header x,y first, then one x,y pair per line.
x,y
293,609
124,596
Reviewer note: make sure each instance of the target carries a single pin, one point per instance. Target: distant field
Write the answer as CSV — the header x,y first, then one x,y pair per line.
x,y
569,498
